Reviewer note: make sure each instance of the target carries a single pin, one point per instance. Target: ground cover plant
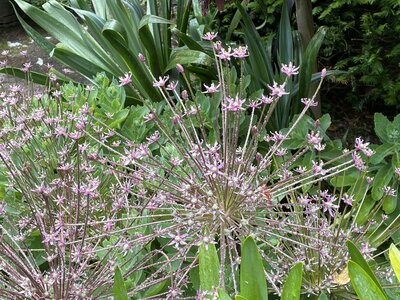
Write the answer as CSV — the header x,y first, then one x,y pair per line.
x,y
192,196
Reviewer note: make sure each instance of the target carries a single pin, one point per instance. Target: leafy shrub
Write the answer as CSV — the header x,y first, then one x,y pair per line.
x,y
360,41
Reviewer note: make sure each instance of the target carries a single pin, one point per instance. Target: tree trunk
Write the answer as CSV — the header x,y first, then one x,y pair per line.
x,y
305,26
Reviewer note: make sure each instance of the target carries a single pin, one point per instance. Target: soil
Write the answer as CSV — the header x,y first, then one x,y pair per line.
x,y
15,40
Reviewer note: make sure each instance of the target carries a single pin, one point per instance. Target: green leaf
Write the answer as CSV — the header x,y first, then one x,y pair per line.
x,y
358,259
381,124
323,296
238,297
364,286
35,77
394,256
253,284
260,60
381,152
208,267
381,179
306,67
119,289
186,56
292,287
389,204
285,47
222,295
365,209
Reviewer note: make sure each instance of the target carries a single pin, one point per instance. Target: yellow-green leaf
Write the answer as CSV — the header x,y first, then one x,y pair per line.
x,y
394,256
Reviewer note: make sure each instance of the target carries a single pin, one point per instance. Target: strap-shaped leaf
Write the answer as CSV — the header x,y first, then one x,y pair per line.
x,y
363,284
119,289
259,58
285,43
292,287
310,57
208,267
140,78
186,56
253,284
357,258
38,78
394,256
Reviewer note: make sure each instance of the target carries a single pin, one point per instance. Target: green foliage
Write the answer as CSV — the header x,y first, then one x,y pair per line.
x,y
208,267
119,289
394,255
360,41
253,284
364,286
112,35
39,3
358,259
292,287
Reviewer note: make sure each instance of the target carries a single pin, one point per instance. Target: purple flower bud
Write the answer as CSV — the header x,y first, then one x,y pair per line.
x,y
141,57
323,73
180,68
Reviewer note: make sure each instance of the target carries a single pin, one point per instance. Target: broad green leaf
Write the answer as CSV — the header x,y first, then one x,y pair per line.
x,y
389,204
344,180
292,287
394,256
364,286
119,289
253,284
238,297
381,152
381,124
186,56
188,41
358,259
222,295
76,62
208,267
381,179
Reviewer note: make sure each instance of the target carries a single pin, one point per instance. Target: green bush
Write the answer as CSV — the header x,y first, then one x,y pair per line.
x,y
361,39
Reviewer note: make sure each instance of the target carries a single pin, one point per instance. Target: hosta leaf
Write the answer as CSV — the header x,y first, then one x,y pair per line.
x,y
394,256
364,286
253,284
